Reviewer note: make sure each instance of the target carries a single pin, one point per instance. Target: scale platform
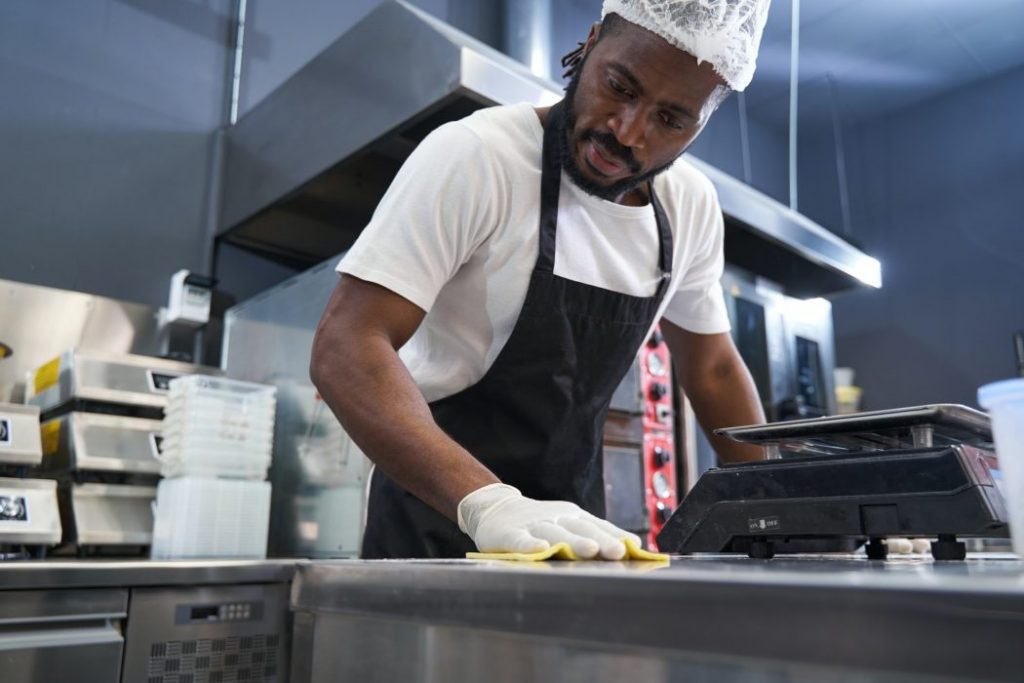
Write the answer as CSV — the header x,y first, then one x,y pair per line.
x,y
831,484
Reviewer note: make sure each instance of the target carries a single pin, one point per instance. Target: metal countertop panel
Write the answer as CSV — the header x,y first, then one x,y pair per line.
x,y
961,621
43,574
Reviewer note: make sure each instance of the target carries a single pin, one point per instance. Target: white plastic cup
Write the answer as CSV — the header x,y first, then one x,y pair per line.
x,y
1005,403
843,377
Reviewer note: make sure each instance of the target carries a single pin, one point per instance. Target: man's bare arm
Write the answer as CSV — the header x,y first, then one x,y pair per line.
x,y
719,386
356,368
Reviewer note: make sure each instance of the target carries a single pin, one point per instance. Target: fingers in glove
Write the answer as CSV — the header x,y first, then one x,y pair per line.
x,y
614,531
611,548
514,541
551,532
899,546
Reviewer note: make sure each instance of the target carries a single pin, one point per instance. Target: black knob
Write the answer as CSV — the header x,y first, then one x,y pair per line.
x,y
662,512
662,456
656,339
658,391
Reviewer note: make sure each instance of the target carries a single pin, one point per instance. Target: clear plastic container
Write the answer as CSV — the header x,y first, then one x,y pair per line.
x,y
232,392
232,463
217,427
1005,403
226,435
207,518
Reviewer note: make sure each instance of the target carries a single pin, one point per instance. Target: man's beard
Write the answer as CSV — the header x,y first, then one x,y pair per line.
x,y
610,147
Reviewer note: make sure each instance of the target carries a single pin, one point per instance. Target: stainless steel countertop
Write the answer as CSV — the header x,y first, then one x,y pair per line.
x,y
43,574
912,616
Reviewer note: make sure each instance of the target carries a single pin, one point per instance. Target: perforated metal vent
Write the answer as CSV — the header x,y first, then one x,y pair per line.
x,y
252,659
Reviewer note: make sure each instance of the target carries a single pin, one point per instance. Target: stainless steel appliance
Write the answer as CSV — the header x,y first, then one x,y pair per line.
x,y
80,441
38,323
28,507
113,379
787,343
28,514
205,634
101,438
19,435
834,483
107,515
72,636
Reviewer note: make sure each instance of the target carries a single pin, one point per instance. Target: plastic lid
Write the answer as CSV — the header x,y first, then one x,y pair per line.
x,y
991,395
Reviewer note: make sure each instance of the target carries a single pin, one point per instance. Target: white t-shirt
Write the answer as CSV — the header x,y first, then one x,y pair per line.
x,y
457,232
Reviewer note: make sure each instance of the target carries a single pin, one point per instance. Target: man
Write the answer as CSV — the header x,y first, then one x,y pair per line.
x,y
519,294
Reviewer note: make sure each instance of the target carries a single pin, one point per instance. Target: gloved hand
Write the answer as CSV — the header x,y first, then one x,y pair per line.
x,y
907,546
501,519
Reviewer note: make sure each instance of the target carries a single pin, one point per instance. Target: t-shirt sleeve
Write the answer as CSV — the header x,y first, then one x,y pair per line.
x,y
698,304
442,204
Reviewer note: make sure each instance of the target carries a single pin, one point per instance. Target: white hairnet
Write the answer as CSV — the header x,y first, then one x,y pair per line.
x,y
725,33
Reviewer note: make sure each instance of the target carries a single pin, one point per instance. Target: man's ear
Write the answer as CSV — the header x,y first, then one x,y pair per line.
x,y
592,37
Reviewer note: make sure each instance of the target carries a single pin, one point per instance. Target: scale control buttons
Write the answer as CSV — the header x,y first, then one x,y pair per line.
x,y
235,611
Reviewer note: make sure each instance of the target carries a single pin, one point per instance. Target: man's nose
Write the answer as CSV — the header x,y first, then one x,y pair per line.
x,y
629,127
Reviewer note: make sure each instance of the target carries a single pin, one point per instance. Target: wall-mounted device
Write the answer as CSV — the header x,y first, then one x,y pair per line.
x,y
190,299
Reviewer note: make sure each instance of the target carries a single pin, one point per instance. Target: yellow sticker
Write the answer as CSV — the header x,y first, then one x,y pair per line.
x,y
48,375
50,433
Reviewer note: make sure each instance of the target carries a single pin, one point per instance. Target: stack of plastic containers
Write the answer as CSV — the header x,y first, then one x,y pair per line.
x,y
217,440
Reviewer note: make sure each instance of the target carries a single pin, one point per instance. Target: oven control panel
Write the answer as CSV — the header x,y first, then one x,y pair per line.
x,y
659,453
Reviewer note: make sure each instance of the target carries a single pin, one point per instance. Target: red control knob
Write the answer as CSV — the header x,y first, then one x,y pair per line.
x,y
662,512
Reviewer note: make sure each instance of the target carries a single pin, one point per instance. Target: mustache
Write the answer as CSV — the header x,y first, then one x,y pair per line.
x,y
612,146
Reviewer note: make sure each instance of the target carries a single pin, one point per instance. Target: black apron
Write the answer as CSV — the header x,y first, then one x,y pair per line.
x,y
536,418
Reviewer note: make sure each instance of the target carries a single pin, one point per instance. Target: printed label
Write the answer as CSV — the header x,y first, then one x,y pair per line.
x,y
156,442
5,432
764,525
160,382
47,375
50,434
13,509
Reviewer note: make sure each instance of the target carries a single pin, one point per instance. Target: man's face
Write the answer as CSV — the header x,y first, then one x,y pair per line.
x,y
634,105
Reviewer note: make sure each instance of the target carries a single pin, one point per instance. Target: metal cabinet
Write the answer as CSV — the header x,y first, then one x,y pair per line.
x,y
69,636
207,634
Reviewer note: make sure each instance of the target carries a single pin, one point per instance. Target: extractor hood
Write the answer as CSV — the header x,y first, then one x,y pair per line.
x,y
306,167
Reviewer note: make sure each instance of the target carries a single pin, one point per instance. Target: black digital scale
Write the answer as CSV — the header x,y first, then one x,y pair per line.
x,y
832,484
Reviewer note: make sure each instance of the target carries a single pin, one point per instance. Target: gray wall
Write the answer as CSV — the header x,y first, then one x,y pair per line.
x,y
939,198
105,127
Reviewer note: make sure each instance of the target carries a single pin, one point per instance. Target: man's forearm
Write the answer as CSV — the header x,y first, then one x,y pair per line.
x,y
727,397
377,402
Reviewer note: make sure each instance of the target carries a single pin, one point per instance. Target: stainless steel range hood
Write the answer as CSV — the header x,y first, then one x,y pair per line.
x,y
307,166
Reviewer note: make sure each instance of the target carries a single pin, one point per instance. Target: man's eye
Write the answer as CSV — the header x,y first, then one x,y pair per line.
x,y
671,122
614,85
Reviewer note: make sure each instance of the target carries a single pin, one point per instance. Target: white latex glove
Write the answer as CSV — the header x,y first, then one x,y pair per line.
x,y
907,546
500,519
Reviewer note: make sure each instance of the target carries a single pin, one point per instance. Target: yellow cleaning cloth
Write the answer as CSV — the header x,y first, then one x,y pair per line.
x,y
562,551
